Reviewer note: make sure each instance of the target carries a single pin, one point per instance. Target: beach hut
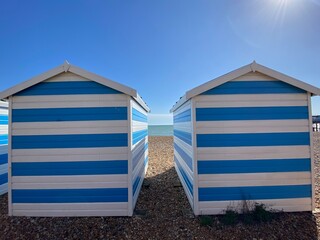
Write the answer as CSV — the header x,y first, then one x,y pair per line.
x,y
245,138
78,145
3,147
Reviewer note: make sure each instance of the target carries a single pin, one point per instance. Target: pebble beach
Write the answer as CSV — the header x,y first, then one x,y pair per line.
x,y
162,212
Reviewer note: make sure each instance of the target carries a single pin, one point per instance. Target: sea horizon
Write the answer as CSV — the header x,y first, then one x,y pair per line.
x,y
160,130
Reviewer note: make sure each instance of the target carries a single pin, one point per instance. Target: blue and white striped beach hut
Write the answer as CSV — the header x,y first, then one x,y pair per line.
x,y
246,135
78,145
3,147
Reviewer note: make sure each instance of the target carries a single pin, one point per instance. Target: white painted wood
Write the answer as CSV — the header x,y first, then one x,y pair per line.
x,y
254,76
70,179
9,158
129,150
70,185
70,98
255,176
78,71
195,160
253,67
70,213
69,154
257,182
3,104
137,128
254,153
3,111
74,127
252,126
67,77
311,153
70,206
251,100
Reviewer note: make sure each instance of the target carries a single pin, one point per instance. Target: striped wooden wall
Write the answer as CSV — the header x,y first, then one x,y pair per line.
x,y
69,149
139,148
183,149
3,147
253,143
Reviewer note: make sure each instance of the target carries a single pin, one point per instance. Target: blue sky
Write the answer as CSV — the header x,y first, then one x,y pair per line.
x,y
162,48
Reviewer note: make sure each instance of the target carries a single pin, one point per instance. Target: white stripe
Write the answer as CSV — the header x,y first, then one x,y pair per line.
x,y
4,128
185,147
67,77
184,126
252,126
290,205
69,206
186,189
69,154
3,131
254,76
73,127
3,104
70,213
3,168
137,123
251,100
3,112
258,181
255,176
70,101
70,182
139,128
253,153
184,166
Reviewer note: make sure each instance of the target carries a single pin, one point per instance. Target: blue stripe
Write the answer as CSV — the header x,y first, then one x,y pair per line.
x,y
69,114
67,88
3,178
253,139
3,158
183,117
138,156
3,139
254,87
138,116
184,136
184,176
186,158
251,113
70,195
254,193
70,141
137,180
138,135
254,166
70,168
3,119
146,160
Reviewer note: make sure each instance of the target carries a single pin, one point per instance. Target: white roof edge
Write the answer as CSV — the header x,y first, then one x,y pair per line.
x,y
253,67
66,67
37,79
142,103
285,78
179,103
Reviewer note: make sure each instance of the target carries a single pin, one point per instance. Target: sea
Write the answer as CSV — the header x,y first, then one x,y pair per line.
x,y
160,130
